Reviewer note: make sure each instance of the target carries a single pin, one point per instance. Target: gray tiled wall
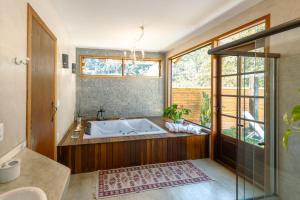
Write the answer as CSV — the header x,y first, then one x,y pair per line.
x,y
120,97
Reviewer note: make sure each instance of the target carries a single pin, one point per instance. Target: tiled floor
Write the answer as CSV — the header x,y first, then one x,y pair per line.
x,y
83,187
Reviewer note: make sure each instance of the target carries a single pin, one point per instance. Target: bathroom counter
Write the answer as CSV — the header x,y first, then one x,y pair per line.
x,y
42,172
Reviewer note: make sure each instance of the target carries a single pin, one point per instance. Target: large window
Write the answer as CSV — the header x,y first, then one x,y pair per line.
x,y
190,76
92,66
191,84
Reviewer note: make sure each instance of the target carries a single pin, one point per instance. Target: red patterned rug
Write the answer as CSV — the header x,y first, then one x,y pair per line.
x,y
121,181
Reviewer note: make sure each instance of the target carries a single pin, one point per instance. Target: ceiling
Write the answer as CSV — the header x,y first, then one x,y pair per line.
x,y
113,24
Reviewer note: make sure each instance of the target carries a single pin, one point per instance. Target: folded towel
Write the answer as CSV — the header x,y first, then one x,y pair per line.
x,y
189,128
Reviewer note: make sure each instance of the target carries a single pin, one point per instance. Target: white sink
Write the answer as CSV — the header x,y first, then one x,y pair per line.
x,y
24,193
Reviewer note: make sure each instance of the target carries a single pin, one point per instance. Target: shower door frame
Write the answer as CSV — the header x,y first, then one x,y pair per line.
x,y
270,78
220,137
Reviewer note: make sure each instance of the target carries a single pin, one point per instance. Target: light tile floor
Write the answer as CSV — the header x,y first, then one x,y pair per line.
x,y
83,187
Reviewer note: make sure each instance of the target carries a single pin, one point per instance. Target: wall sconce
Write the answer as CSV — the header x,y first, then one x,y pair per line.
x,y
73,68
65,61
21,62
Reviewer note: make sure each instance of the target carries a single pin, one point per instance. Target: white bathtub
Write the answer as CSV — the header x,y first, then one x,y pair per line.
x,y
126,127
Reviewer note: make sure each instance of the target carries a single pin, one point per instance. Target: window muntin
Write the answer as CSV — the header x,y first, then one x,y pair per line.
x,y
191,84
142,68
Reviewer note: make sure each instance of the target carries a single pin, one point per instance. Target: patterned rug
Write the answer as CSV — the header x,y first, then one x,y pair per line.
x,y
121,181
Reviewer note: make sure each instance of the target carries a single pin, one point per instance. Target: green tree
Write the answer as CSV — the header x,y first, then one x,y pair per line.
x,y
205,110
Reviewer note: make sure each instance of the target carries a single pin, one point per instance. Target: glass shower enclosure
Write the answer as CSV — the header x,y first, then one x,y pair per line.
x,y
259,77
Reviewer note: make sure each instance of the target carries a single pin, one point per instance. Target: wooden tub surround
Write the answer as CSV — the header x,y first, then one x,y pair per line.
x,y
115,152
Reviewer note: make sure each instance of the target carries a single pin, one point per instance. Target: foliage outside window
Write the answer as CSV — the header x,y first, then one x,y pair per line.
x,y
118,67
205,110
142,68
252,98
191,84
242,34
101,66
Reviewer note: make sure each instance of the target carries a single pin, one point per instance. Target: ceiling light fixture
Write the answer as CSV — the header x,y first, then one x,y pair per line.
x,y
135,47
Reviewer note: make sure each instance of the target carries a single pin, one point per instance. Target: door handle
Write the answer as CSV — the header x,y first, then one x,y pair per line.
x,y
261,143
54,107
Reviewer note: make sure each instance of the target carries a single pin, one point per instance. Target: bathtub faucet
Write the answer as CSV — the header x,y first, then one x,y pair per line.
x,y
100,115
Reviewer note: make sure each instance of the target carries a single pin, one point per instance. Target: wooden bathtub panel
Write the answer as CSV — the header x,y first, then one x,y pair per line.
x,y
92,157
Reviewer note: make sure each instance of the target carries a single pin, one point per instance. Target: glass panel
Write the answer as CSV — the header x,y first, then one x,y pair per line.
x,y
229,85
253,109
101,66
253,85
191,83
252,132
229,126
229,106
142,68
242,34
287,44
252,64
192,70
229,65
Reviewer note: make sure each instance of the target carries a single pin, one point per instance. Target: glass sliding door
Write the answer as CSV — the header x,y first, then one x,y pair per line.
x,y
251,128
260,138
245,96
256,153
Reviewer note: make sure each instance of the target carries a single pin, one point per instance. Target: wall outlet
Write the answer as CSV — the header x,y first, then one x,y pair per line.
x,y
1,132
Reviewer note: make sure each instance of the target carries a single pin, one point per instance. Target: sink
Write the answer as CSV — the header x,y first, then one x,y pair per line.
x,y
24,193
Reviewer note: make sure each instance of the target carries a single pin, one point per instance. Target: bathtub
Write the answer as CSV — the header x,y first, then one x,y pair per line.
x,y
125,127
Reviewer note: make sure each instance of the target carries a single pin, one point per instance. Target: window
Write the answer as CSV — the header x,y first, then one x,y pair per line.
x,y
142,68
250,94
191,84
101,66
243,33
189,76
118,67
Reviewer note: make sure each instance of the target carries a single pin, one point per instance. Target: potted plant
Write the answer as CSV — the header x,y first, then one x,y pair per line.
x,y
174,112
293,123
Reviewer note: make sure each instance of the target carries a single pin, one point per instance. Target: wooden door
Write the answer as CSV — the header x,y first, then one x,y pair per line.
x,y
41,81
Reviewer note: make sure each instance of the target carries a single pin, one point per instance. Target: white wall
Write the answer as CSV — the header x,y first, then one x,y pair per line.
x,y
13,43
289,72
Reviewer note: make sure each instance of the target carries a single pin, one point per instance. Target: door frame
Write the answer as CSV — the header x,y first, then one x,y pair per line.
x,y
32,14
